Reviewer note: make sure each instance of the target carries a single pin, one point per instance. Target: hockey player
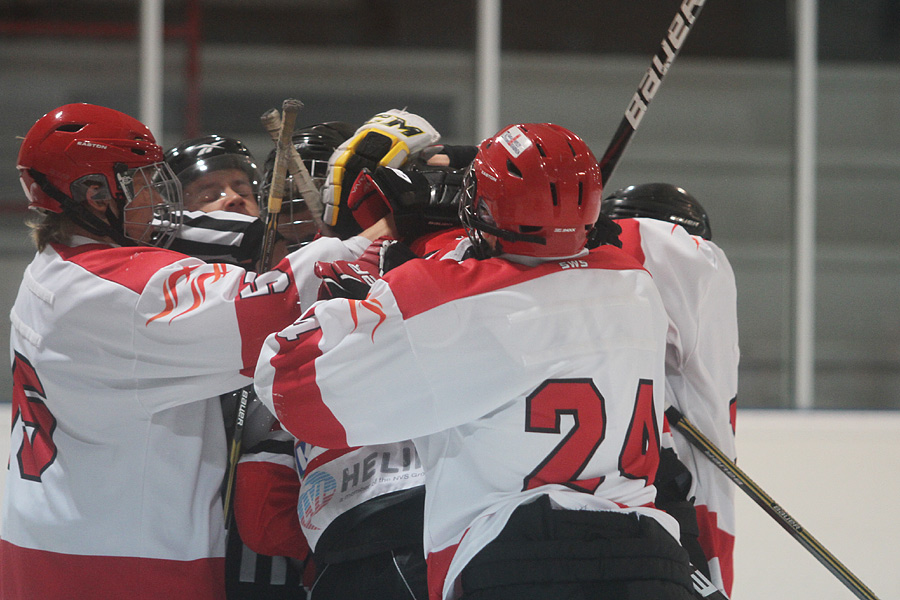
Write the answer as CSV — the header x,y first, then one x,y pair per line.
x,y
221,184
222,225
117,455
668,231
315,144
360,509
217,173
531,381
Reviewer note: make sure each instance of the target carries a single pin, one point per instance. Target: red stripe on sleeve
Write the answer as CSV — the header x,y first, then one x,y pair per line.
x,y
296,395
265,509
438,565
716,544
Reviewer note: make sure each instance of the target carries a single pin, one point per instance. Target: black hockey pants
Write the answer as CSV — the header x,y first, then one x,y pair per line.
x,y
578,555
397,574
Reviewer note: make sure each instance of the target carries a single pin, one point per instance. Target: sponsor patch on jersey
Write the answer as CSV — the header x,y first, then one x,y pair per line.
x,y
515,141
318,490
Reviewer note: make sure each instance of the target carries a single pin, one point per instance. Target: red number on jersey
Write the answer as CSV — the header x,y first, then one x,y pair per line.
x,y
640,454
543,408
37,451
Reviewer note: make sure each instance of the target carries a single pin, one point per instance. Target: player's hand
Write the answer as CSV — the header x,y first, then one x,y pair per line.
x,y
420,201
605,231
352,279
387,139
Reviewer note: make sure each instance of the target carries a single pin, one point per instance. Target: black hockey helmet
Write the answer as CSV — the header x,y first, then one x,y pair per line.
x,y
315,144
195,157
662,201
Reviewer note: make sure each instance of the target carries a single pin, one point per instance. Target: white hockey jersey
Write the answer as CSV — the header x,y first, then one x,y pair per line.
x,y
333,482
697,286
117,452
513,381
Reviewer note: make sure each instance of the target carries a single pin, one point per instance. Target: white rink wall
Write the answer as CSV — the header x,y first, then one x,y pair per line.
x,y
836,473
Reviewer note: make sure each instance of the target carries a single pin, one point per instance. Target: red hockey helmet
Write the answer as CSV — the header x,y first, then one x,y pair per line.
x,y
535,186
79,146
78,140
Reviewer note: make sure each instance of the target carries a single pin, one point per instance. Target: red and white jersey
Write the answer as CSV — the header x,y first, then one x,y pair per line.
x,y
117,451
698,290
513,380
265,498
284,502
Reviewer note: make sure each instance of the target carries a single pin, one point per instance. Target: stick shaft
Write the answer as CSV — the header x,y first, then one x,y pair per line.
x,y
670,46
235,453
721,460
290,108
271,121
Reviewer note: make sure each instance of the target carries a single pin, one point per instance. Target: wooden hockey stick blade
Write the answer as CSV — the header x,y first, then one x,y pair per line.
x,y
669,48
772,508
271,121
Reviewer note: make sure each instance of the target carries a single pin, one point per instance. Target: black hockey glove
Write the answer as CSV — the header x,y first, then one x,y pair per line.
x,y
605,231
352,279
421,201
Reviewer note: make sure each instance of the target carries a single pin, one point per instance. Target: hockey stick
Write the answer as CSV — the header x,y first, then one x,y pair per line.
x,y
669,48
721,460
290,108
271,121
283,147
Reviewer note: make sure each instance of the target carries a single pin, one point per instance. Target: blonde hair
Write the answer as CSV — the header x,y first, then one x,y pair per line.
x,y
49,227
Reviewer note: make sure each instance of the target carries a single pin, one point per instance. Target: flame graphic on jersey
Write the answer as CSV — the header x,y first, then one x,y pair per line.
x,y
198,290
372,305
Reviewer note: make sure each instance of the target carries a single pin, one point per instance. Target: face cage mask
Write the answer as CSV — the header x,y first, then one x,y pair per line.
x,y
153,204
296,222
468,215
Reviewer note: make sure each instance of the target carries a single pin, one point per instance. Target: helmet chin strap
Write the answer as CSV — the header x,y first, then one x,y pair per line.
x,y
112,228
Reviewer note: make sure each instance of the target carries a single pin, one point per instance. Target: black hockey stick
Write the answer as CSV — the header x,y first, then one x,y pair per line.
x,y
721,460
284,145
659,66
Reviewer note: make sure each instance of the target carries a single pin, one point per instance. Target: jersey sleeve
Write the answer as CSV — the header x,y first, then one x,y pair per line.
x,y
201,326
698,290
265,499
345,353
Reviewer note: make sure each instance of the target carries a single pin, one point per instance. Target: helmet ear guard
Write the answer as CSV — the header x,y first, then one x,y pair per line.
x,y
77,211
475,216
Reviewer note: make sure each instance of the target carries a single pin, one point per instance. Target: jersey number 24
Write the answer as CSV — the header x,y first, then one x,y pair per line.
x,y
638,457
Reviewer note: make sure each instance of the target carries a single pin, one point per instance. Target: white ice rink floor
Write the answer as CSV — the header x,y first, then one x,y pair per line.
x,y
835,473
